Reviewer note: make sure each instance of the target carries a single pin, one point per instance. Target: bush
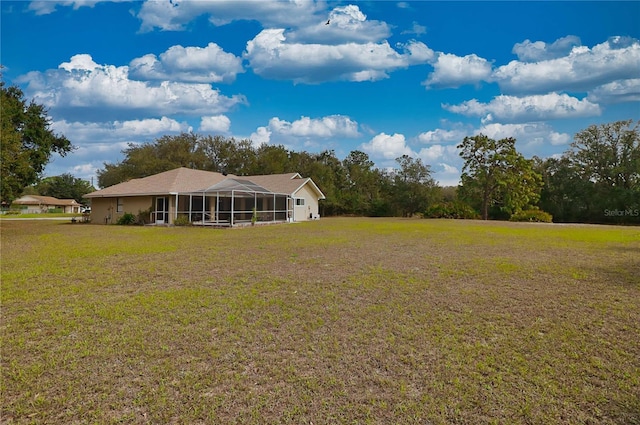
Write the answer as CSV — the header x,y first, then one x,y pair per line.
x,y
455,209
144,217
532,215
127,219
182,220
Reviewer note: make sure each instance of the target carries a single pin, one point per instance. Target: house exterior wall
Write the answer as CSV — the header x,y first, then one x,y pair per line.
x,y
105,210
310,209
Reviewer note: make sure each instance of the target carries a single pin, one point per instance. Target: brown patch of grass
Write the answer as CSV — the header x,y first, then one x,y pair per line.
x,y
336,321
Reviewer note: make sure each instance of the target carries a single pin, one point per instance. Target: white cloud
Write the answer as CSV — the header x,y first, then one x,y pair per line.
x,y
530,137
174,15
528,51
529,108
434,153
216,123
89,133
272,56
581,69
616,92
440,135
454,71
45,7
416,29
325,127
343,24
387,147
105,92
446,174
261,136
208,64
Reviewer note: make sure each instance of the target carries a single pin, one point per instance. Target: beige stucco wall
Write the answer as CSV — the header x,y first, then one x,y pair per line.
x,y
104,210
310,207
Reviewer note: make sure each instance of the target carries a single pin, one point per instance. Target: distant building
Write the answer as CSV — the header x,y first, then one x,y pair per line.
x,y
35,204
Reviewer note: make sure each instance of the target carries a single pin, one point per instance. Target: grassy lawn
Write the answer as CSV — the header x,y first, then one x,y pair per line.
x,y
343,320
41,216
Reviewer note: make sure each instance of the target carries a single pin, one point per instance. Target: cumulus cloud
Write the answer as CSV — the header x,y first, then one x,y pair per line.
x,y
528,135
345,24
305,128
45,7
272,56
215,124
528,51
261,136
175,15
89,133
443,159
528,108
416,29
440,135
210,64
581,69
387,147
446,174
434,153
454,71
103,92
616,92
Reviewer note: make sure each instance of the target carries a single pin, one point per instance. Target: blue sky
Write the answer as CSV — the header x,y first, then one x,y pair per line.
x,y
384,77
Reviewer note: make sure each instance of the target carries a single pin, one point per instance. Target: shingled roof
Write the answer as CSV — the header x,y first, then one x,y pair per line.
x,y
44,200
284,183
185,180
170,182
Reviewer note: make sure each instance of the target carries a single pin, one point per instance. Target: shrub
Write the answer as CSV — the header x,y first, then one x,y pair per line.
x,y
532,215
455,209
144,217
182,220
127,219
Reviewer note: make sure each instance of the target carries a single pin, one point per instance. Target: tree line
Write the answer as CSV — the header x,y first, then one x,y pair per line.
x,y
597,180
351,186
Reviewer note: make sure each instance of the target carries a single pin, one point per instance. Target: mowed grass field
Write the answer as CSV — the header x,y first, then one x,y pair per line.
x,y
343,320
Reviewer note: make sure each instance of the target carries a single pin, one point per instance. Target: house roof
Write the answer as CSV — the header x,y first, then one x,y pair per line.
x,y
186,180
173,181
45,200
285,183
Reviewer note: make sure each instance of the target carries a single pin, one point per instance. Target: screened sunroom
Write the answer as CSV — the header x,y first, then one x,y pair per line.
x,y
234,202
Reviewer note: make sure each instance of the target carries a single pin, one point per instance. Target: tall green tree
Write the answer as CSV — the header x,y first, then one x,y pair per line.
x,y
64,186
26,142
362,193
495,174
272,159
164,154
598,175
413,187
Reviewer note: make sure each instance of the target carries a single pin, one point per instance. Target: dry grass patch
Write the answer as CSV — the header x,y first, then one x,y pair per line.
x,y
336,321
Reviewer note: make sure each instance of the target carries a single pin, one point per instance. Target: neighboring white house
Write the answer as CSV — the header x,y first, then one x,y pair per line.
x,y
35,204
209,198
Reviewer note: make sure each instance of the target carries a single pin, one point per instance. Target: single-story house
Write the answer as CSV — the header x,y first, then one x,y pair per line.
x,y
208,198
35,204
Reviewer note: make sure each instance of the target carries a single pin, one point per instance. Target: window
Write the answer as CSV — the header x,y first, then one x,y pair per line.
x,y
120,207
299,202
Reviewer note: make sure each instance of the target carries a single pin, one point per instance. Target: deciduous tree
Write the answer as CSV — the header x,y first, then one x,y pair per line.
x,y
64,186
495,174
26,142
